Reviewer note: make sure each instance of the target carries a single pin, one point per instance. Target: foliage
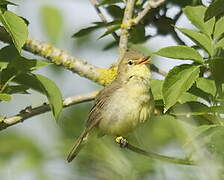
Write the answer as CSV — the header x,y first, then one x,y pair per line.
x,y
189,100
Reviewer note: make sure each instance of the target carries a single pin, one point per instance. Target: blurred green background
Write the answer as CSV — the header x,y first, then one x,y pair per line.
x,y
37,148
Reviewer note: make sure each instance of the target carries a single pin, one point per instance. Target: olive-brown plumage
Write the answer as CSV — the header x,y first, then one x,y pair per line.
x,y
122,105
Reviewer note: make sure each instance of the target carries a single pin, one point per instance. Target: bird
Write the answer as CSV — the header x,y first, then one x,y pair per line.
x,y
122,105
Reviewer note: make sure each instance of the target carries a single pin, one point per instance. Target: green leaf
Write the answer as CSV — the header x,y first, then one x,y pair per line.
x,y
156,86
178,81
23,64
7,53
110,30
217,66
16,27
17,89
215,9
52,23
85,31
45,86
220,43
53,94
206,85
196,15
187,97
4,2
137,34
5,97
115,11
200,39
180,52
219,28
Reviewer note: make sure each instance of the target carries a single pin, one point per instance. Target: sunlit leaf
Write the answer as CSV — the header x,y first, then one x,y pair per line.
x,y
16,27
196,15
180,52
206,85
200,39
178,81
219,28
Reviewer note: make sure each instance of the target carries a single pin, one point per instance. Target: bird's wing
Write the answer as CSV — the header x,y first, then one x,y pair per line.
x,y
101,100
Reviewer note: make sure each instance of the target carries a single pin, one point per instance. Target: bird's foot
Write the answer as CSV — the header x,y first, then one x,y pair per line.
x,y
121,141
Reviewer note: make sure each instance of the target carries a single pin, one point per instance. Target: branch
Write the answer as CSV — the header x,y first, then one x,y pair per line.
x,y
151,5
29,112
102,17
125,26
124,144
57,56
157,70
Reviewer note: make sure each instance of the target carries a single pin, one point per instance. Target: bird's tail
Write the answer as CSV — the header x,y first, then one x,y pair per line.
x,y
78,145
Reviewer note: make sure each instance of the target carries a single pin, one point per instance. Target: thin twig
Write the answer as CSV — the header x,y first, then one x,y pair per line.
x,y
124,144
125,26
102,17
29,112
151,5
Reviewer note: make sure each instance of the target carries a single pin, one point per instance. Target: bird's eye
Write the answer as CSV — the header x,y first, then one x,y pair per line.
x,y
130,62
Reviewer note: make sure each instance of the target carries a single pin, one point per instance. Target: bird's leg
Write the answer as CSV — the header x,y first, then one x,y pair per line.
x,y
121,141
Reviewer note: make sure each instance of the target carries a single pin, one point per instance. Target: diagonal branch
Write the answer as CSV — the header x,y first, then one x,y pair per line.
x,y
151,4
29,112
57,56
102,17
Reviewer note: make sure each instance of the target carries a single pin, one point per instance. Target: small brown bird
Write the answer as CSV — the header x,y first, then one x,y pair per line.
x,y
123,104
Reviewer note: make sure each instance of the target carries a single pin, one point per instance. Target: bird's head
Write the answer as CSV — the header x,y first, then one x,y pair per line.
x,y
134,63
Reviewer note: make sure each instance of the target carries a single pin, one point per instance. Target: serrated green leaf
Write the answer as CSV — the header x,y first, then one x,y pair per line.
x,y
85,31
219,28
200,39
217,66
16,27
178,81
180,52
52,23
110,30
196,15
214,9
5,97
206,85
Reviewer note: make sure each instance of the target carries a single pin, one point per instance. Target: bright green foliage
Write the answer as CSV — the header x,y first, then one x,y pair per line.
x,y
16,27
180,52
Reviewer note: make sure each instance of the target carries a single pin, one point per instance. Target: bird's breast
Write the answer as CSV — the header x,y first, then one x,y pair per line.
x,y
127,107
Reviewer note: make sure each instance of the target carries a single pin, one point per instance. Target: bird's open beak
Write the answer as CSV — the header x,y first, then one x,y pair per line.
x,y
145,60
